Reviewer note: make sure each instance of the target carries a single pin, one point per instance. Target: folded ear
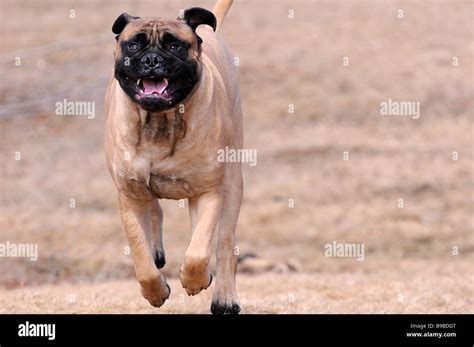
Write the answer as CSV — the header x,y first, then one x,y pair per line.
x,y
121,22
196,16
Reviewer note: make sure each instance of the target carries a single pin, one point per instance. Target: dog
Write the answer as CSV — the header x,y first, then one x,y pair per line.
x,y
172,103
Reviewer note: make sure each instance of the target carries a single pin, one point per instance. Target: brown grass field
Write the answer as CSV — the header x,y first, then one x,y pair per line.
x,y
409,264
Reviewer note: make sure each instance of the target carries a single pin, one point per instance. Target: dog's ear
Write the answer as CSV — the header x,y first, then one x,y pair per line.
x,y
121,22
196,16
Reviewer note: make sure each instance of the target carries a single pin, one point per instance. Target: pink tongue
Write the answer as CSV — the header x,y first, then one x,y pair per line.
x,y
152,86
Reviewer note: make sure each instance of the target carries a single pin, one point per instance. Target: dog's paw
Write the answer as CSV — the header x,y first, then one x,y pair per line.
x,y
160,260
195,279
156,293
225,299
218,307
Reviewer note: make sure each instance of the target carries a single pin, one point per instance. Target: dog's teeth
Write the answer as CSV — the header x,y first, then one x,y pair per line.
x,y
138,81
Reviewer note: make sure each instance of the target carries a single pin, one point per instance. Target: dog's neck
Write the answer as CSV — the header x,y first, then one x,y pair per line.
x,y
164,128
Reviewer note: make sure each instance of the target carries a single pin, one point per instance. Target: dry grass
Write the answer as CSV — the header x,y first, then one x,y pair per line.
x,y
422,290
282,62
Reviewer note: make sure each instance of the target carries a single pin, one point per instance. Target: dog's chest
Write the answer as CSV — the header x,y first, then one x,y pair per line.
x,y
171,170
178,176
171,186
170,159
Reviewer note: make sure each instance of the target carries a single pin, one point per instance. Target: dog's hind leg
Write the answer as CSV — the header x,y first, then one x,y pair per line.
x,y
157,234
225,299
136,220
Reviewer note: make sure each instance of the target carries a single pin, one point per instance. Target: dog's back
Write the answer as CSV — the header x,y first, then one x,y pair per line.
x,y
219,59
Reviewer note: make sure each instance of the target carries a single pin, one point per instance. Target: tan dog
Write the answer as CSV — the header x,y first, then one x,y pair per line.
x,y
173,102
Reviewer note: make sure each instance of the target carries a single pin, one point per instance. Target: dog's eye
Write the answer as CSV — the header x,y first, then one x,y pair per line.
x,y
175,46
133,47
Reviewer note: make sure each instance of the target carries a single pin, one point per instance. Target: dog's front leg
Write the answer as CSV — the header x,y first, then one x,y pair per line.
x,y
136,220
204,212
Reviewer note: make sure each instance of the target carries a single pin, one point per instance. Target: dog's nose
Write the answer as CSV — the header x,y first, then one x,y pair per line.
x,y
151,60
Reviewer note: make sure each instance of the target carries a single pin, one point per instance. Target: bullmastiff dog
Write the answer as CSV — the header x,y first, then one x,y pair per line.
x,y
172,103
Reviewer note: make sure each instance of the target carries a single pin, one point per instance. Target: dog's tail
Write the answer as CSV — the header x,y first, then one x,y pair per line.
x,y
220,9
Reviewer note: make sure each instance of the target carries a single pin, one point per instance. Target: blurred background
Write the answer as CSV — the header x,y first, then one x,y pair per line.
x,y
313,75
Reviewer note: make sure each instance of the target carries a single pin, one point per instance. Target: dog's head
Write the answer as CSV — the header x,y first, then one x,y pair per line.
x,y
157,61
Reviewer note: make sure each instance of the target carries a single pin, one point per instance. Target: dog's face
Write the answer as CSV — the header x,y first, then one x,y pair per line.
x,y
157,61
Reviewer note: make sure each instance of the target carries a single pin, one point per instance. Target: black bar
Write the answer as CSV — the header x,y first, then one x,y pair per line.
x,y
385,330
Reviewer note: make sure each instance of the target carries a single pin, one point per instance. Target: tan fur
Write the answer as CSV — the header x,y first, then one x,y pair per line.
x,y
173,155
220,10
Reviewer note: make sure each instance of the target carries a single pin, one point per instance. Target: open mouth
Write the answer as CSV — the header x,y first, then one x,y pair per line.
x,y
153,88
